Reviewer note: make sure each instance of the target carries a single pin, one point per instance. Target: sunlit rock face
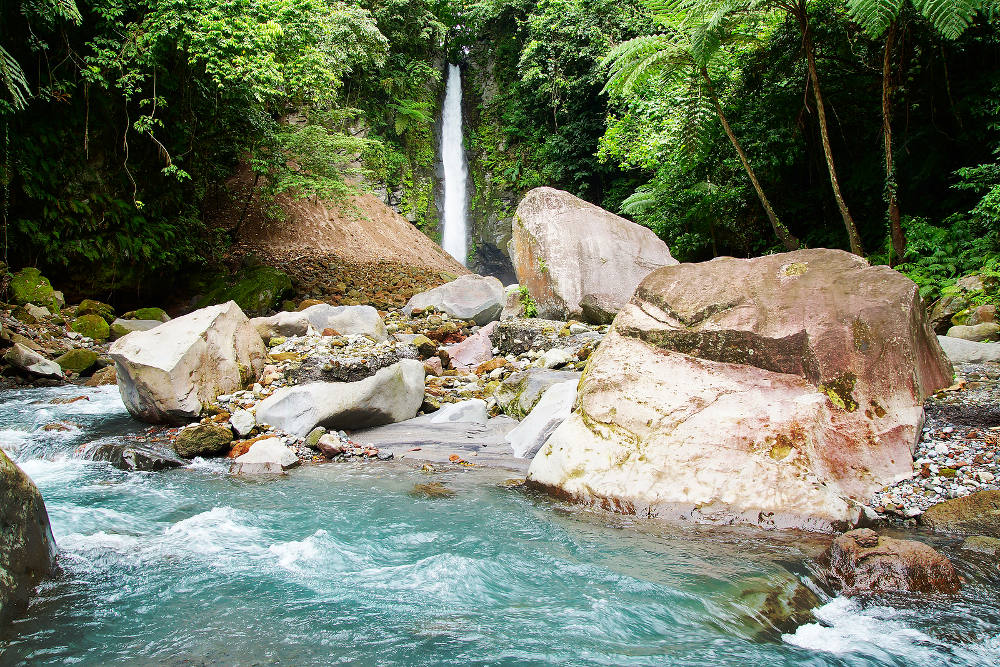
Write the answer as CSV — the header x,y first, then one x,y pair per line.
x,y
170,373
578,260
778,391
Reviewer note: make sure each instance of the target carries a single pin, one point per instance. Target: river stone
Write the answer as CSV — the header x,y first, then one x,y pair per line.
x,y
31,362
27,548
38,312
566,250
976,514
203,440
132,457
862,561
474,350
780,391
961,351
347,320
551,410
121,327
469,297
979,333
29,286
393,394
264,457
982,544
471,411
281,324
92,326
93,307
518,394
168,374
242,421
77,360
982,314
102,377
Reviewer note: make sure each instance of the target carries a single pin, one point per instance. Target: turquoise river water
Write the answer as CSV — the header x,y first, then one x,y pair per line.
x,y
339,563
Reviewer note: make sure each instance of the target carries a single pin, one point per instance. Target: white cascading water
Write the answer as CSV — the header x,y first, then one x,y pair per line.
x,y
455,170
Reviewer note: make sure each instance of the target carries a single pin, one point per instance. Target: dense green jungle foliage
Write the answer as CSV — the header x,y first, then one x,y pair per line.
x,y
121,121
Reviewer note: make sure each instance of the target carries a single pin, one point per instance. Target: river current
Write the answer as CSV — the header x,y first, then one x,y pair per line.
x,y
341,563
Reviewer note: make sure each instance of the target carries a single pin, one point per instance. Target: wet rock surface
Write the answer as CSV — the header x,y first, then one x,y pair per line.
x,y
862,561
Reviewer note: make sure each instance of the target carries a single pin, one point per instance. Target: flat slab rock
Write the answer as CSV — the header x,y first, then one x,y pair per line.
x,y
477,443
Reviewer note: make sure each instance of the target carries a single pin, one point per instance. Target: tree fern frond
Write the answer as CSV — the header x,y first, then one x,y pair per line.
x,y
875,16
949,17
643,199
14,80
633,63
698,113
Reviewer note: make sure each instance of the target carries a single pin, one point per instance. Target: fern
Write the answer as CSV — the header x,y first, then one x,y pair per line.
x,y
13,80
632,64
643,199
949,18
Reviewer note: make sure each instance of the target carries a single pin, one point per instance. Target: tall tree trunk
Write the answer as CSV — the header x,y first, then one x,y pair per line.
x,y
786,238
807,43
895,225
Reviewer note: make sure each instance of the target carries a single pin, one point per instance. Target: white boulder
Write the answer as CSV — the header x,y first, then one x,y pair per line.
x,y
170,373
552,410
471,411
265,456
347,320
242,421
961,351
281,324
393,394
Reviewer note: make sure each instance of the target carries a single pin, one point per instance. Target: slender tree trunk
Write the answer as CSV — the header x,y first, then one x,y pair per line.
x,y
786,238
895,225
246,205
807,43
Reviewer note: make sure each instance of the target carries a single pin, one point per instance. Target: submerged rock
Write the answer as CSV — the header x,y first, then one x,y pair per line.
x,y
431,490
168,374
393,394
469,297
976,514
27,548
133,457
862,561
780,391
568,251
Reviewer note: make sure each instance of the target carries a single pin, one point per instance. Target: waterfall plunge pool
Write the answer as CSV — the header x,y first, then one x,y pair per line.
x,y
339,563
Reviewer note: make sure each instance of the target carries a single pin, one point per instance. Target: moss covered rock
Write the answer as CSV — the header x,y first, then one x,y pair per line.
x,y
147,314
27,550
91,326
256,290
29,286
92,307
203,440
77,360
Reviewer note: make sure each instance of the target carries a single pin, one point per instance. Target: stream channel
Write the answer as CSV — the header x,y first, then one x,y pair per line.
x,y
340,563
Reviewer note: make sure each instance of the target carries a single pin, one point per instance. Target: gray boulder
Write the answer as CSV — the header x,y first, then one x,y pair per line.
x,y
470,297
987,331
393,394
31,362
347,320
551,410
566,251
27,548
281,324
961,351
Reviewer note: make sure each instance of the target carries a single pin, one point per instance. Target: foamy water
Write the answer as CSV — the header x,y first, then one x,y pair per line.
x,y
339,563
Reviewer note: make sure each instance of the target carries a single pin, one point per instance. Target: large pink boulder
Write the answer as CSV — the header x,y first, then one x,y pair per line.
x,y
474,350
578,260
780,391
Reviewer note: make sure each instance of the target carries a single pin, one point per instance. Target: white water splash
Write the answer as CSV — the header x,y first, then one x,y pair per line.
x,y
455,169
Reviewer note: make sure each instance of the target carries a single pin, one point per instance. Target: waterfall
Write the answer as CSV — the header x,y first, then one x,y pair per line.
x,y
455,170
